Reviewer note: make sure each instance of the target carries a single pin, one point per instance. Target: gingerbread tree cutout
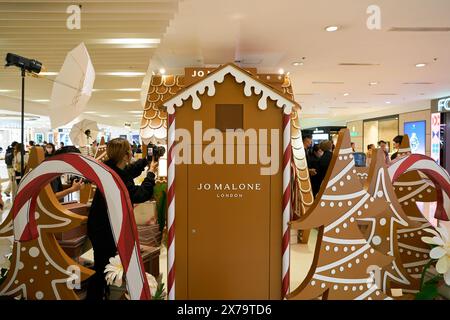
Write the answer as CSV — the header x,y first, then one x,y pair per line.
x,y
382,231
343,259
410,188
40,269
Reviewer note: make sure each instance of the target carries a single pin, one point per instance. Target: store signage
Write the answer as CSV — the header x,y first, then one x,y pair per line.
x,y
229,190
193,74
443,105
436,137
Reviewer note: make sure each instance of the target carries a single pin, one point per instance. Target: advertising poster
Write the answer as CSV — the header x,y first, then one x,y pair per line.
x,y
436,137
417,134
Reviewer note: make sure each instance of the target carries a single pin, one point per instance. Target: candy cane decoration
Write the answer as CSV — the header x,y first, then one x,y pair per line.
x,y
171,207
120,211
437,175
286,202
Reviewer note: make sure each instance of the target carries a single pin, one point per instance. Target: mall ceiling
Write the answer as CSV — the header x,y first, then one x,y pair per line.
x,y
332,85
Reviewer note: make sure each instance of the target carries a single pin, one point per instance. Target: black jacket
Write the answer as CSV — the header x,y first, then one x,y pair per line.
x,y
98,221
324,163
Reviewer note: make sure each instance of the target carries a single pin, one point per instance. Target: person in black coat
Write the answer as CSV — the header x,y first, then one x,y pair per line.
x,y
98,227
313,166
324,162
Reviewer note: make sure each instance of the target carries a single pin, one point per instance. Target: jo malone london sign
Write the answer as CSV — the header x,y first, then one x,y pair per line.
x,y
228,190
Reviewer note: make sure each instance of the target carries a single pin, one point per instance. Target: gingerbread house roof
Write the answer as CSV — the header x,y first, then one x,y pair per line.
x,y
252,85
154,121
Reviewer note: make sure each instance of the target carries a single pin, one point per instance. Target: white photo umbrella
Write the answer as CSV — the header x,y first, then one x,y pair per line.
x,y
78,133
72,87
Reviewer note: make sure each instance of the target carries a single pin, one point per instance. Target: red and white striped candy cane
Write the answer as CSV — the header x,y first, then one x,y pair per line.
x,y
437,174
121,216
286,203
171,207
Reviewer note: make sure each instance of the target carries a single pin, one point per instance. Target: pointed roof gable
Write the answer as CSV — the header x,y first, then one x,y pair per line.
x,y
252,85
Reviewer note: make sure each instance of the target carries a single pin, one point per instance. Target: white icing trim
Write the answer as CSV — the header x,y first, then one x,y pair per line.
x,y
219,76
346,151
405,246
339,176
342,280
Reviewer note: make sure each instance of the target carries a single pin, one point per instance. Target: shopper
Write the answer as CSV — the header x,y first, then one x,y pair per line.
x,y
353,145
383,146
99,229
325,159
61,145
397,142
9,160
18,161
370,148
49,149
313,164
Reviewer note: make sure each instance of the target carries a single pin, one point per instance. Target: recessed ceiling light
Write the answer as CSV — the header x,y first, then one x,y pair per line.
x,y
346,94
373,83
119,89
40,100
388,102
297,64
127,100
136,111
48,73
90,112
104,115
122,74
421,65
5,90
281,71
332,28
162,71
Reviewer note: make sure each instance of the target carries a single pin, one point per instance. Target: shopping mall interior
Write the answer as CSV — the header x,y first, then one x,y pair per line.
x,y
364,84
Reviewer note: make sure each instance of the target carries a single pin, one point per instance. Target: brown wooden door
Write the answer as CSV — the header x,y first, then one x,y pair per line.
x,y
228,238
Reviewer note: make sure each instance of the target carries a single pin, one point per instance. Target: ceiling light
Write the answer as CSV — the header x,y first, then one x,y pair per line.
x,y
129,41
48,73
332,28
281,71
127,100
104,115
5,90
40,100
346,94
90,112
122,74
388,102
129,89
421,65
136,111
374,83
162,71
297,64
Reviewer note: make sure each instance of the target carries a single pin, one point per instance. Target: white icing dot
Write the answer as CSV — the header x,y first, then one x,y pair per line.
x,y
345,249
398,236
336,249
401,188
405,235
409,270
36,215
47,263
380,194
323,285
340,204
337,230
35,267
425,256
31,280
332,204
371,250
333,271
377,293
359,212
345,288
365,255
313,283
335,287
353,248
401,250
33,252
408,253
420,196
39,295
353,288
351,156
21,265
376,240
349,203
419,232
416,269
23,249
345,157
366,206
327,248
361,287
409,188
429,190
345,225
349,177
369,298
413,200
16,281
405,203
47,272
322,204
341,268
412,234
357,261
354,170
340,157
372,199
341,183
382,221
334,188
349,265
417,255
387,238
352,219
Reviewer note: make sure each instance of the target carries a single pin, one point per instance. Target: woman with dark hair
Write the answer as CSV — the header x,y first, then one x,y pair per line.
x,y
18,161
397,142
324,162
49,149
99,229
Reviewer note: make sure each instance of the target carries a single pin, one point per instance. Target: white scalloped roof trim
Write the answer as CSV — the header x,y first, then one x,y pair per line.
x,y
219,76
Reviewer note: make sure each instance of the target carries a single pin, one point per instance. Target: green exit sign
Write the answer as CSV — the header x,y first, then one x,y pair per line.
x,y
354,134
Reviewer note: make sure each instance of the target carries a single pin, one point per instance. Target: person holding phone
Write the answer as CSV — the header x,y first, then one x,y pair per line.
x,y
119,155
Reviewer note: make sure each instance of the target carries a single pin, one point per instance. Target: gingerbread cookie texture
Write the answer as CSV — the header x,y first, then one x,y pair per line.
x,y
343,256
40,269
